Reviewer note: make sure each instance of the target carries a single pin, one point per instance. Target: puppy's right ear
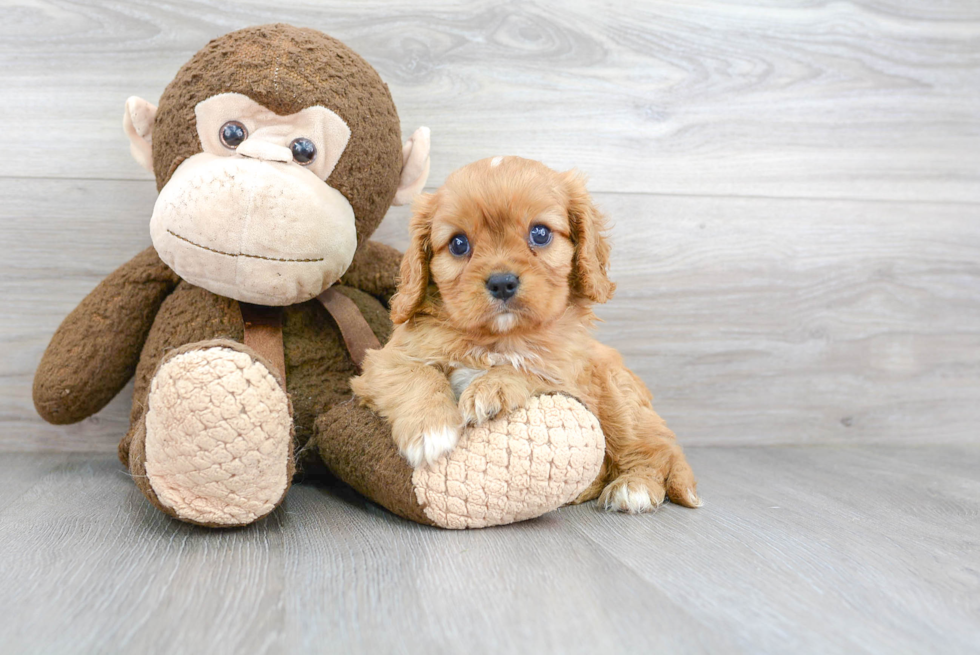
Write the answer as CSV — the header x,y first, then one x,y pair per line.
x,y
414,279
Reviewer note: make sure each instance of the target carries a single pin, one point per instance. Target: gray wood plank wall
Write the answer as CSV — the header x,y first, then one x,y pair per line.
x,y
794,188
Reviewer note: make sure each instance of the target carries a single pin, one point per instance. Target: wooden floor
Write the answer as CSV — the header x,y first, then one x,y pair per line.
x,y
795,195
870,549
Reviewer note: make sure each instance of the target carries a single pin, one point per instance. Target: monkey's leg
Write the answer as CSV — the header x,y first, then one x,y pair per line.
x,y
512,468
214,446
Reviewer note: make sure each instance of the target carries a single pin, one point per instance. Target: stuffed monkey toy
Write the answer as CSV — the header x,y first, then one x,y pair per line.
x,y
277,152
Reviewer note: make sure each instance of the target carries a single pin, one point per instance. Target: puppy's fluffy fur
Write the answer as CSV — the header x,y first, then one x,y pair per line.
x,y
461,356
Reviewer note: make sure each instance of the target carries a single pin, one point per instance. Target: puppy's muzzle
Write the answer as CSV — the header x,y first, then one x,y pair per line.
x,y
503,286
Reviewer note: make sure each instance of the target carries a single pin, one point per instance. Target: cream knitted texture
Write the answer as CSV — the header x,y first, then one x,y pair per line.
x,y
514,468
218,434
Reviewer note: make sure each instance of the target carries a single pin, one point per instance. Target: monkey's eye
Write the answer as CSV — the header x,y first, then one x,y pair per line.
x,y
459,245
232,134
540,235
304,152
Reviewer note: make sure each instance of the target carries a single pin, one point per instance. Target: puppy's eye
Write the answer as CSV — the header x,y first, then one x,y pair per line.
x,y
459,245
540,235
232,134
304,151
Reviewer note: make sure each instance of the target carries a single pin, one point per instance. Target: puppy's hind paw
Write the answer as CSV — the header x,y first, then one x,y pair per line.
x,y
430,446
691,499
681,485
631,497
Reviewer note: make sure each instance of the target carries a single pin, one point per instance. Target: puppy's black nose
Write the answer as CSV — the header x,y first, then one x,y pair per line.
x,y
503,285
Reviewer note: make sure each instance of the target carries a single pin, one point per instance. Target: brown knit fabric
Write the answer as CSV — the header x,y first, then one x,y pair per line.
x,y
374,270
287,69
356,444
143,312
318,367
133,457
94,352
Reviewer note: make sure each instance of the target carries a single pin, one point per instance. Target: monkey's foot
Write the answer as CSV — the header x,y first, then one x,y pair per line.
x,y
218,437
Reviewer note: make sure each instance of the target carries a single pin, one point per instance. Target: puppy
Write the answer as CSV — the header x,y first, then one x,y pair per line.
x,y
494,306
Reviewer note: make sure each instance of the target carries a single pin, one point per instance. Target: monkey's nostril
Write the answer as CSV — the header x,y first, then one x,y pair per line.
x,y
503,285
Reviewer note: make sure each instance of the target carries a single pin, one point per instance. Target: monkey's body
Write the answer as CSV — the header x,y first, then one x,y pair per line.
x,y
318,366
146,308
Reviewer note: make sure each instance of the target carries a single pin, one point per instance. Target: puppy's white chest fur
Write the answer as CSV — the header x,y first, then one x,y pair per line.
x,y
462,377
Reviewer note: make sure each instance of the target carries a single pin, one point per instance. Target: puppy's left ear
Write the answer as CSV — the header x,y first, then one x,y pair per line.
x,y
414,278
591,260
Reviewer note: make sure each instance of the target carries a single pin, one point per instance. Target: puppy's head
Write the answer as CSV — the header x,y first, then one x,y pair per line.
x,y
505,245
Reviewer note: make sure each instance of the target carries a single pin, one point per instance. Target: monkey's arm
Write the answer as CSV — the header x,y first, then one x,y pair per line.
x,y
374,270
95,350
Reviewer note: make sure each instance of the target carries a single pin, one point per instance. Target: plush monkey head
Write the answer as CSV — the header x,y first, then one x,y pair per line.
x,y
277,151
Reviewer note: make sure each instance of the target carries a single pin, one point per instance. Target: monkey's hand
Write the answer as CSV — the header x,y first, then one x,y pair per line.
x,y
95,350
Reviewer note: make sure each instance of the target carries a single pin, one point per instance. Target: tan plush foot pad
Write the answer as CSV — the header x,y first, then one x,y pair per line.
x,y
514,468
218,437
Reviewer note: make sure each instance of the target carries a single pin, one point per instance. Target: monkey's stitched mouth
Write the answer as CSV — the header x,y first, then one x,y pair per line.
x,y
240,254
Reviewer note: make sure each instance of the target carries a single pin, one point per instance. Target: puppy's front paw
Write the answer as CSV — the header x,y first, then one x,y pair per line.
x,y
430,445
489,396
429,432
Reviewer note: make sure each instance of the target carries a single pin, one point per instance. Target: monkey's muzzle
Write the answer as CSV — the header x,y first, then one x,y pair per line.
x,y
269,233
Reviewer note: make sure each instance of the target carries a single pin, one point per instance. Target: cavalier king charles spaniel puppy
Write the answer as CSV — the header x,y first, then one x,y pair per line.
x,y
494,305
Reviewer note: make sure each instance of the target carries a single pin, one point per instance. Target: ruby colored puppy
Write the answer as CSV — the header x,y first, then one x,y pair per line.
x,y
494,306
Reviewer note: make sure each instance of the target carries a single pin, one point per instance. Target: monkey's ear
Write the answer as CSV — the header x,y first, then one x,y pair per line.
x,y
413,280
138,126
415,167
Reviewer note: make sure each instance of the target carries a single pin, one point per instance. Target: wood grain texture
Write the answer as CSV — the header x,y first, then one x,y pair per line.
x,y
794,189
806,550
752,320
795,194
861,99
